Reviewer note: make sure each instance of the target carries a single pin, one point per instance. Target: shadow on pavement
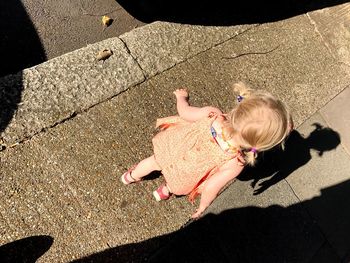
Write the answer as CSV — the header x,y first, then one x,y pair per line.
x,y
278,164
252,234
25,250
221,12
20,48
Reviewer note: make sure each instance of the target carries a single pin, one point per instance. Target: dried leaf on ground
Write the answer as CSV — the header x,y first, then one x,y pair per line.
x,y
106,21
104,54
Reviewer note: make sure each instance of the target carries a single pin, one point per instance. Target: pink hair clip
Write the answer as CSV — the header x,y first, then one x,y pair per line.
x,y
253,149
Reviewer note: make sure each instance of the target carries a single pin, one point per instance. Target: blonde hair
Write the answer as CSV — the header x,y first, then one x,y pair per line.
x,y
258,123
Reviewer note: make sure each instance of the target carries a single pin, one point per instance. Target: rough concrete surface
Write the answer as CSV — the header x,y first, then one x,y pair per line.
x,y
74,82
337,113
54,90
240,227
65,26
110,137
337,41
280,70
160,46
38,33
289,60
325,183
61,185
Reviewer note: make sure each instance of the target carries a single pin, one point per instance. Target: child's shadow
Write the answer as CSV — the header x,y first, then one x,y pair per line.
x,y
278,164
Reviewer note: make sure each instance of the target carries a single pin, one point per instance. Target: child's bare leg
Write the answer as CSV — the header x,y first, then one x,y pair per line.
x,y
142,169
145,167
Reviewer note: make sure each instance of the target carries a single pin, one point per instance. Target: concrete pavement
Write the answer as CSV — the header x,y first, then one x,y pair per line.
x,y
38,33
74,124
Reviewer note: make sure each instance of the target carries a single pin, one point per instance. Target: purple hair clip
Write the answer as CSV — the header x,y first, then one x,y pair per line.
x,y
253,150
239,98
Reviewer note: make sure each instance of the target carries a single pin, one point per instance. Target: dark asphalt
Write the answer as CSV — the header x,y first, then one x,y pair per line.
x,y
32,33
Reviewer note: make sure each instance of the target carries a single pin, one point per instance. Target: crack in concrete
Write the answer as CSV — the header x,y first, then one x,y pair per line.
x,y
237,35
135,59
252,53
313,22
223,42
4,147
326,120
209,48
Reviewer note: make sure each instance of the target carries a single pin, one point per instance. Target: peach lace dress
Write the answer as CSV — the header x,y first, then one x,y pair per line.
x,y
188,153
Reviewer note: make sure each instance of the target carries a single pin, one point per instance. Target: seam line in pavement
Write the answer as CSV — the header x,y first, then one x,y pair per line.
x,y
69,118
331,99
323,40
326,120
206,50
318,110
320,35
81,111
220,43
135,59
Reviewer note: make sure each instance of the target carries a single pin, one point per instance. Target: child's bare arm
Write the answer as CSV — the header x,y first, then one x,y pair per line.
x,y
190,113
217,182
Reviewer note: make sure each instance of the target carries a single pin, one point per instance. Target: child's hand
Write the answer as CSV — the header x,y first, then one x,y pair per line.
x,y
181,93
198,212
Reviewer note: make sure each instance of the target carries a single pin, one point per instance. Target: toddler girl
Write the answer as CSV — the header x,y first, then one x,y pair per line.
x,y
201,150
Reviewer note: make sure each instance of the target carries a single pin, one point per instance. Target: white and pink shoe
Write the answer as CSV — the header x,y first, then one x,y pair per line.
x,y
162,193
127,178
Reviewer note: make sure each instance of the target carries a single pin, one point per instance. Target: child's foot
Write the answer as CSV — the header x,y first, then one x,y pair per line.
x,y
127,178
162,193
